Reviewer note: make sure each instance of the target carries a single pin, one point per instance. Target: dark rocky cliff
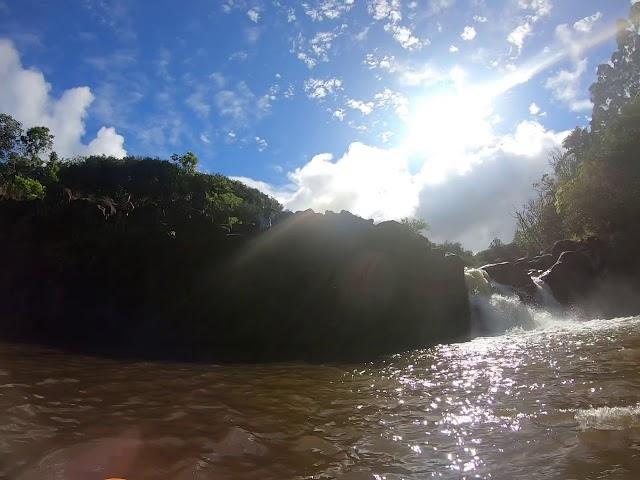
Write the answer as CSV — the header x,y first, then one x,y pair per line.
x,y
314,287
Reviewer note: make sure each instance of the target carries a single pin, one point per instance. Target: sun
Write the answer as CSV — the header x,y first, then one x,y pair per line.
x,y
446,129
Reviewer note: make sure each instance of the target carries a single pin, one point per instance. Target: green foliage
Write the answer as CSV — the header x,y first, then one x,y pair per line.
x,y
618,81
188,161
595,189
23,150
35,142
10,133
416,225
538,224
173,194
25,188
604,198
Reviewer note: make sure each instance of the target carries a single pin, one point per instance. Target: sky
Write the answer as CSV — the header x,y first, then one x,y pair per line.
x,y
445,110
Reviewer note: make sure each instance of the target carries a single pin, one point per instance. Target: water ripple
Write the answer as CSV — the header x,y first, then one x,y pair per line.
x,y
555,403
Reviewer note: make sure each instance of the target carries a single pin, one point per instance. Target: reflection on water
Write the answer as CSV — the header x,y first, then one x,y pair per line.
x,y
558,403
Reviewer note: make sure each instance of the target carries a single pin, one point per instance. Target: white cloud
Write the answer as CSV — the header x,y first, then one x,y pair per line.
x,y
368,181
340,114
565,86
291,15
405,37
586,24
480,19
241,105
437,6
423,76
254,15
239,56
385,9
379,183
394,100
316,50
26,95
363,107
264,187
205,138
387,62
391,11
362,35
198,102
540,8
318,89
468,34
453,49
477,206
534,109
261,143
386,99
218,79
519,34
327,9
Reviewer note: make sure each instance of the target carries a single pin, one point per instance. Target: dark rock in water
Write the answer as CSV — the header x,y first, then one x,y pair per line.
x,y
512,275
571,278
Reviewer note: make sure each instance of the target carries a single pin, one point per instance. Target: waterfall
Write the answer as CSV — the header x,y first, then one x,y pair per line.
x,y
544,295
497,308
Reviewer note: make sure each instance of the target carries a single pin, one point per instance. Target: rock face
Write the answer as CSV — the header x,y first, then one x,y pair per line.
x,y
513,275
313,287
571,268
541,262
571,278
337,286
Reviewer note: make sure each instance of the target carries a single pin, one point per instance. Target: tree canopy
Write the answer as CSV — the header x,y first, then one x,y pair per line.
x,y
595,185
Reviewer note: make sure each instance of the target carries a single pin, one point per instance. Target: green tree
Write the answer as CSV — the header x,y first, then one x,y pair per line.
x,y
10,134
189,161
538,224
36,142
25,188
416,225
618,82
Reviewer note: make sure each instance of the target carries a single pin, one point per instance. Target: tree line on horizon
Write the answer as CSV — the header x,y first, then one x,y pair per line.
x,y
594,187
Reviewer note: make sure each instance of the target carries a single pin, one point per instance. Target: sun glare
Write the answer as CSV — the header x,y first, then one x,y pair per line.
x,y
446,129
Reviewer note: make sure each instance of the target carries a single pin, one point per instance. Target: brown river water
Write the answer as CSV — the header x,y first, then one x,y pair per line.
x,y
559,402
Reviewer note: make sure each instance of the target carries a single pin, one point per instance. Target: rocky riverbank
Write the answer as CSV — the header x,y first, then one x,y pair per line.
x,y
313,287
584,275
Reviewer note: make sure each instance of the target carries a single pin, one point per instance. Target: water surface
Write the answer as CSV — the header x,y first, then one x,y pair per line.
x,y
561,402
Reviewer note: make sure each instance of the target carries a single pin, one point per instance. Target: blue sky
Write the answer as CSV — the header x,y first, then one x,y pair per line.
x,y
443,109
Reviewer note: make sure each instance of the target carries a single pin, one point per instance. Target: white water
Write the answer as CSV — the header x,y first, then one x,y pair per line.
x,y
496,308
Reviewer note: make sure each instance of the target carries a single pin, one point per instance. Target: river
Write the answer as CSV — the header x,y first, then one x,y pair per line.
x,y
557,402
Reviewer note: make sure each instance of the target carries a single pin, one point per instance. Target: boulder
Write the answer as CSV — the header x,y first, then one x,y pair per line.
x,y
565,246
512,275
337,287
594,248
571,278
541,262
